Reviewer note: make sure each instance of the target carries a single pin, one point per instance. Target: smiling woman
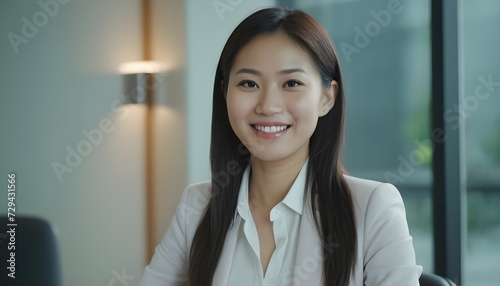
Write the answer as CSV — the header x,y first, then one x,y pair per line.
x,y
290,215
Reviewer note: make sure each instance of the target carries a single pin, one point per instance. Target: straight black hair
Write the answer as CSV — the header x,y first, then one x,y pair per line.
x,y
331,202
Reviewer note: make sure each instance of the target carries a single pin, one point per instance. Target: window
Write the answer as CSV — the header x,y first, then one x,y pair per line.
x,y
481,111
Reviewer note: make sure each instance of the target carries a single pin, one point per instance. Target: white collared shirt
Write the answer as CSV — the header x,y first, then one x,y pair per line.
x,y
246,269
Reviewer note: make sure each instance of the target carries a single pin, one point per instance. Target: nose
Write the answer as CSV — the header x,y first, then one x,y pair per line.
x,y
270,101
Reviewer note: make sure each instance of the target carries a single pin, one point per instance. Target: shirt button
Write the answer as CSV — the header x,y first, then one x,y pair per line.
x,y
273,281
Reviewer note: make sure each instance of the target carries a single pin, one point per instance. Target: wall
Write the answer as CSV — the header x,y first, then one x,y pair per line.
x,y
64,81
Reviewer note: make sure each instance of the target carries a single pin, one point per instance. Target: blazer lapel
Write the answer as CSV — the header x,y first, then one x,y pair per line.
x,y
221,274
308,268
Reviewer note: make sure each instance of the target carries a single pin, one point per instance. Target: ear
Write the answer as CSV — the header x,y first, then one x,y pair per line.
x,y
328,98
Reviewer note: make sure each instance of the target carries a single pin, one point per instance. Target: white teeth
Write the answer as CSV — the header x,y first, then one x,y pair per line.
x,y
270,129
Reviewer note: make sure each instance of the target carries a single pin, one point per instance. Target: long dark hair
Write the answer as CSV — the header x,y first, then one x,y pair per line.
x,y
332,202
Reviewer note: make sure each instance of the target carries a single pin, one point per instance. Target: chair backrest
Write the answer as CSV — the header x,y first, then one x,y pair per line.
x,y
36,253
427,279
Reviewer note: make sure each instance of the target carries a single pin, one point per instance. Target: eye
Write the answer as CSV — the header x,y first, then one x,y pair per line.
x,y
292,83
248,84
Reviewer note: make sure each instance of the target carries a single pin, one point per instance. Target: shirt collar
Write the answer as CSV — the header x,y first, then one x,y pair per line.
x,y
243,205
294,198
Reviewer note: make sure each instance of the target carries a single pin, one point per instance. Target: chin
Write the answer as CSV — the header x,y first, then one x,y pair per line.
x,y
269,156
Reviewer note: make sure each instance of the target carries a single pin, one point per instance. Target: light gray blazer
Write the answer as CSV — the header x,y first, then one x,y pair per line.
x,y
385,250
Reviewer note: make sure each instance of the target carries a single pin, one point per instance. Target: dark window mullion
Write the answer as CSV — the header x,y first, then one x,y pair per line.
x,y
448,186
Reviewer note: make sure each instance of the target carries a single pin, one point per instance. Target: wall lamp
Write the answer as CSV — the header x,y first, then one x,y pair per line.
x,y
139,81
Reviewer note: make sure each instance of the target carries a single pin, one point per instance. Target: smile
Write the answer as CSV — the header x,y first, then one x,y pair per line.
x,y
270,132
270,129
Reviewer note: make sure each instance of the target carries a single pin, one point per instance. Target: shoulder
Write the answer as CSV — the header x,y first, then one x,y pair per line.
x,y
369,194
196,196
385,249
193,204
200,190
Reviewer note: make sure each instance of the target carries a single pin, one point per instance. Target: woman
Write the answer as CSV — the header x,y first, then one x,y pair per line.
x,y
277,131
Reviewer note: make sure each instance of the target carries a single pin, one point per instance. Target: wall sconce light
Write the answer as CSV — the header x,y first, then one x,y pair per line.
x,y
139,81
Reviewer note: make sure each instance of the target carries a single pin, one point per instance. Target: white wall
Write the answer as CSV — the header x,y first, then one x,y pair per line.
x,y
64,81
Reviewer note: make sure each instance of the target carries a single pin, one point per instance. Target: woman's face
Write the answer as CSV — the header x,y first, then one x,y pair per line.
x,y
275,97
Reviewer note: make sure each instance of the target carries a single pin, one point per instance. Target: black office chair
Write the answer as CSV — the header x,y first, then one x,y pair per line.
x,y
427,279
37,260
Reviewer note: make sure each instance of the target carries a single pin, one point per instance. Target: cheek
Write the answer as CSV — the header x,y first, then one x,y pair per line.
x,y
238,106
305,109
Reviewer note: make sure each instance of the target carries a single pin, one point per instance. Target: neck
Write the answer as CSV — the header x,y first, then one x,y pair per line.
x,y
271,181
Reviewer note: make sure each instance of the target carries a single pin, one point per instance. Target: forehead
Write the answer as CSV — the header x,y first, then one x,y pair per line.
x,y
273,52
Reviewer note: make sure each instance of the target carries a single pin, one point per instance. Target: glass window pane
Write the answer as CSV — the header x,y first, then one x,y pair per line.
x,y
481,111
384,49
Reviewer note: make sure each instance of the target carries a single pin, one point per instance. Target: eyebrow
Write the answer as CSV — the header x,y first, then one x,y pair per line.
x,y
256,72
